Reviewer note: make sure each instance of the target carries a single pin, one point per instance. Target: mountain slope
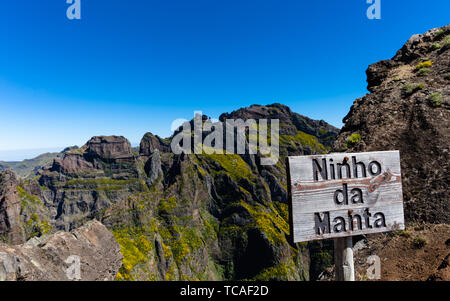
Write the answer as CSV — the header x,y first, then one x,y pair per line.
x,y
187,217
408,110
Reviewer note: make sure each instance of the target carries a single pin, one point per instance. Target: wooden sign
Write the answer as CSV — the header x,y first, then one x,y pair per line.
x,y
345,194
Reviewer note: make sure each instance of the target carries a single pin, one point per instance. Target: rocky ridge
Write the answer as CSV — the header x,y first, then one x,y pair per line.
x,y
408,110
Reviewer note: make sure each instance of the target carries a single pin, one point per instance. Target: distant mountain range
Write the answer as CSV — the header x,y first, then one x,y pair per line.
x,y
29,167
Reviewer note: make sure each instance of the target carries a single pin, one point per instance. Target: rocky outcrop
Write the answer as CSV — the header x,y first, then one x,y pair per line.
x,y
153,167
150,143
55,257
92,157
10,208
291,122
408,110
87,180
72,163
109,148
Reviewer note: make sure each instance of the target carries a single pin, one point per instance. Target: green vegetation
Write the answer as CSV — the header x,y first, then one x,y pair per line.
x,y
436,99
304,140
269,222
447,76
33,212
419,242
353,139
403,233
322,132
424,68
135,247
182,241
102,184
435,46
102,181
423,71
410,88
233,164
446,42
280,272
439,34
35,227
425,64
166,206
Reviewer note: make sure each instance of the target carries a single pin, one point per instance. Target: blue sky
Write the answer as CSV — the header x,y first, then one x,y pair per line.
x,y
128,67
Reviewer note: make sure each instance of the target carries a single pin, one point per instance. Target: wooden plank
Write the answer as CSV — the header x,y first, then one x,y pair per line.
x,y
342,184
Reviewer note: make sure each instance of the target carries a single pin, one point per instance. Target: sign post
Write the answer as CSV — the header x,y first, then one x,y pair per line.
x,y
343,259
345,194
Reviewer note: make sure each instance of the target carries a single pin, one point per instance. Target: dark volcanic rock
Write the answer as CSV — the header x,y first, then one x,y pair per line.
x,y
290,122
109,148
89,179
153,167
408,110
10,205
151,142
48,258
71,163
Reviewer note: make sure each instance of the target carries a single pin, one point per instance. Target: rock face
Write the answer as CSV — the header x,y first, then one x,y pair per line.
x,y
109,148
408,110
205,216
10,221
291,122
175,217
89,179
54,257
151,142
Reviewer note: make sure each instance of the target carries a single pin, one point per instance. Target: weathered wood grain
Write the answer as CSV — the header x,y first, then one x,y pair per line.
x,y
381,192
343,259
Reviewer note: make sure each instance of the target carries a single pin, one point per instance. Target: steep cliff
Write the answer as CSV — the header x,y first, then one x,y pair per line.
x,y
408,110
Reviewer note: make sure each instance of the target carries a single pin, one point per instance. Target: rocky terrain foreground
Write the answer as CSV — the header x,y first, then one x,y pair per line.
x,y
49,257
225,217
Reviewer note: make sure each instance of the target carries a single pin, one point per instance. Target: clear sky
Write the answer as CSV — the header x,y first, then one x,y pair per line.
x,y
128,67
